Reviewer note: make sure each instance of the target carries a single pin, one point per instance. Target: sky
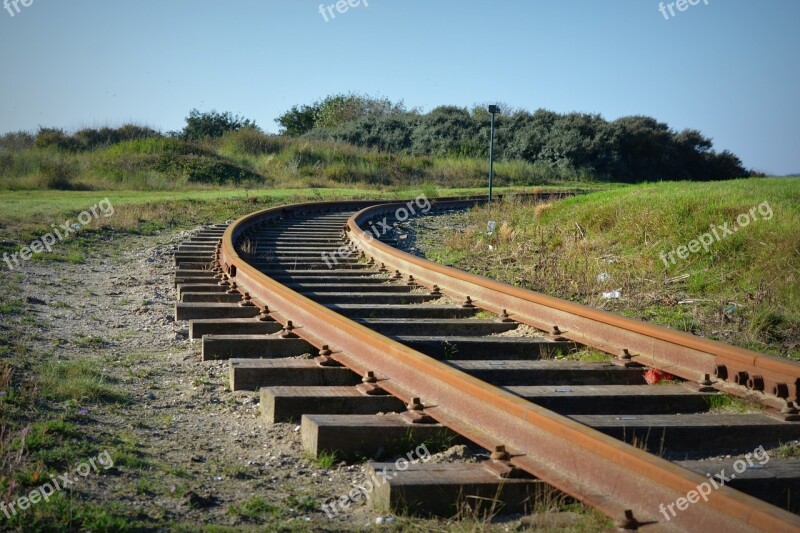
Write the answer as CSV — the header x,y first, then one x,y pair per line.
x,y
728,68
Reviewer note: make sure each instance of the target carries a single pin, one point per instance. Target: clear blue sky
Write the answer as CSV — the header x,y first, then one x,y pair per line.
x,y
729,68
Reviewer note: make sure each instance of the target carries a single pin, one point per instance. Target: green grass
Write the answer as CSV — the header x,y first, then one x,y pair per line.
x,y
65,512
743,290
79,381
255,509
725,403
12,307
325,459
27,215
788,450
89,341
21,206
587,355
303,504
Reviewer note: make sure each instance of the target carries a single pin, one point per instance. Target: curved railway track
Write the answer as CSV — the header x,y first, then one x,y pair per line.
x,y
404,350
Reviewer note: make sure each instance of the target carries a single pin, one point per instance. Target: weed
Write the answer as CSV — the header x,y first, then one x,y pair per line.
x,y
79,381
788,450
13,307
86,341
254,509
325,459
726,403
303,504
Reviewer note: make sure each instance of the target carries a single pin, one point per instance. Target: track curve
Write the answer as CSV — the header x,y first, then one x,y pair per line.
x,y
625,482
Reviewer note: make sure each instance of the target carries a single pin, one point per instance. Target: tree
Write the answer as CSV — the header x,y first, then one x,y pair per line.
x,y
336,110
446,130
340,109
213,124
298,120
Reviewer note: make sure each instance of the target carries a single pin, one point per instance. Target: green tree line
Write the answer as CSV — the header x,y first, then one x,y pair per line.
x,y
629,149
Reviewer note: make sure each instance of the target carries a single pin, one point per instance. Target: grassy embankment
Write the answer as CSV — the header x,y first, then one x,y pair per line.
x,y
744,290
250,159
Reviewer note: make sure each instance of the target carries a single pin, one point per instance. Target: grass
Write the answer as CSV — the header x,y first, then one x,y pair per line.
x,y
325,459
788,450
13,307
89,341
587,355
728,404
79,381
65,512
580,248
609,227
255,509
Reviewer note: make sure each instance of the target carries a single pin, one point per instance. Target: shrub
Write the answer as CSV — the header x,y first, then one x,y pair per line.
x,y
250,141
57,173
56,139
213,124
200,169
92,139
16,141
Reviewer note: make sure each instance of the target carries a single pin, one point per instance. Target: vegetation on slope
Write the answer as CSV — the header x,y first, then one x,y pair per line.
x,y
230,151
630,149
744,289
357,140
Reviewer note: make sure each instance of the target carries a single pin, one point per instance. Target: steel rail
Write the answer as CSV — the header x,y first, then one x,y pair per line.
x,y
624,482
743,372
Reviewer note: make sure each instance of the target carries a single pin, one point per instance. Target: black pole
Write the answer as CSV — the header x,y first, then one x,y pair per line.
x,y
492,110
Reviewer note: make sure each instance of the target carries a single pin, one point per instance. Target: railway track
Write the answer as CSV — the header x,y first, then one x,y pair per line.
x,y
370,347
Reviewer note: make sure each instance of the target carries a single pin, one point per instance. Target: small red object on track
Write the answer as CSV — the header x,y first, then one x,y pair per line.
x,y
653,376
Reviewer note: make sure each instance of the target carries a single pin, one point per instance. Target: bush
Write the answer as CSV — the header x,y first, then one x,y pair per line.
x,y
250,141
446,131
92,139
16,141
58,173
212,125
629,149
200,169
57,139
337,110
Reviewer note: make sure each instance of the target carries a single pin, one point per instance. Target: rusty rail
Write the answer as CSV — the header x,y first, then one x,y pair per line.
x,y
743,372
624,482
